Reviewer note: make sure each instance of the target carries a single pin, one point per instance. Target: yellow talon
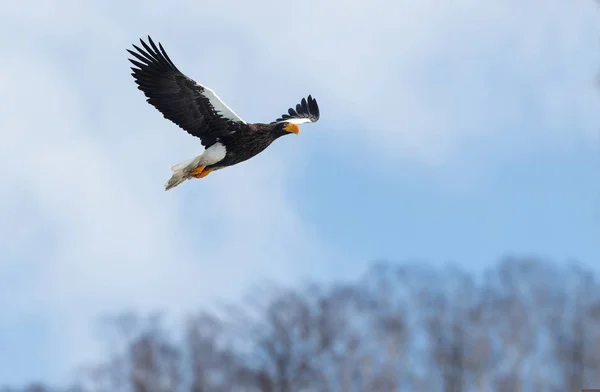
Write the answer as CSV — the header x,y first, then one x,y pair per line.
x,y
197,171
200,172
204,173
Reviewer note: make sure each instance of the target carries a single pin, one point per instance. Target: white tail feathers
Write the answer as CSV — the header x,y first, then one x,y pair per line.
x,y
180,174
175,180
181,165
181,171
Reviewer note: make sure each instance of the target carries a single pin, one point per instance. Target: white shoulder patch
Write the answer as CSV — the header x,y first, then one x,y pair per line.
x,y
219,105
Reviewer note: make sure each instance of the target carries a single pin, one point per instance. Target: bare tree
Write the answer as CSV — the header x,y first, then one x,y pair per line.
x,y
524,325
141,357
575,330
446,321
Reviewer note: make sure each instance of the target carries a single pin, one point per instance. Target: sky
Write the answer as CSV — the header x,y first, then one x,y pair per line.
x,y
449,133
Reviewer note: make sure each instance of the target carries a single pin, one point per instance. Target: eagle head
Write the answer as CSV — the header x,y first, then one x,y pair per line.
x,y
286,128
291,128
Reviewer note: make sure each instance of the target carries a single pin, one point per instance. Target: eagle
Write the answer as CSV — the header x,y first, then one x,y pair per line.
x,y
227,139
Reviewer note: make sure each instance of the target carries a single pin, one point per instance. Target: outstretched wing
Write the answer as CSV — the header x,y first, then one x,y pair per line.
x,y
306,111
192,106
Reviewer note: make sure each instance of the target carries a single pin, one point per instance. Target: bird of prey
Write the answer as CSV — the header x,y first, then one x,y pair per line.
x,y
227,139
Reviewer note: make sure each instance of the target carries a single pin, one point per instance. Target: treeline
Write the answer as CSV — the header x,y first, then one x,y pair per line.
x,y
523,325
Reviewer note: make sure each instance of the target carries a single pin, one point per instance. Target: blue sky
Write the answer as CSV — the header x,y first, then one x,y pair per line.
x,y
448,134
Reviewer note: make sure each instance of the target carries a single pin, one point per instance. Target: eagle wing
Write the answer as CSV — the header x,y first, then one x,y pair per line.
x,y
193,107
306,111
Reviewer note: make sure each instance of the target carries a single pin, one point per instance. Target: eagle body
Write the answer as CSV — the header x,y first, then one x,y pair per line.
x,y
228,140
247,142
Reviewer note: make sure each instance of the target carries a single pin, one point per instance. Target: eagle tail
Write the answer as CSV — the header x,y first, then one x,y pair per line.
x,y
181,172
181,165
176,179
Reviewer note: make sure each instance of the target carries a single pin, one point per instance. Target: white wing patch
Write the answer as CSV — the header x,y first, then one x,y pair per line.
x,y
219,105
297,121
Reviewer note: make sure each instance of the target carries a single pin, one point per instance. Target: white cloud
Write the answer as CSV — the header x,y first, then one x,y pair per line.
x,y
418,78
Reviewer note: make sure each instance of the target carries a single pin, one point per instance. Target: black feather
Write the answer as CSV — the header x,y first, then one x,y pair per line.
x,y
308,109
179,98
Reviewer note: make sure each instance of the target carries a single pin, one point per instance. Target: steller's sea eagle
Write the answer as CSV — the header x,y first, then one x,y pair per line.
x,y
227,139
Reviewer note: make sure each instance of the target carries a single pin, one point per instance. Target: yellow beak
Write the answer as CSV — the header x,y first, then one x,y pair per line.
x,y
292,128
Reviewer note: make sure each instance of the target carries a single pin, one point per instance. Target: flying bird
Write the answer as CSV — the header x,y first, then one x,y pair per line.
x,y
227,139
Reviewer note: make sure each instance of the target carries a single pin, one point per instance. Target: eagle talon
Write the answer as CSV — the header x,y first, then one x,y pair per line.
x,y
200,172
197,171
204,173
